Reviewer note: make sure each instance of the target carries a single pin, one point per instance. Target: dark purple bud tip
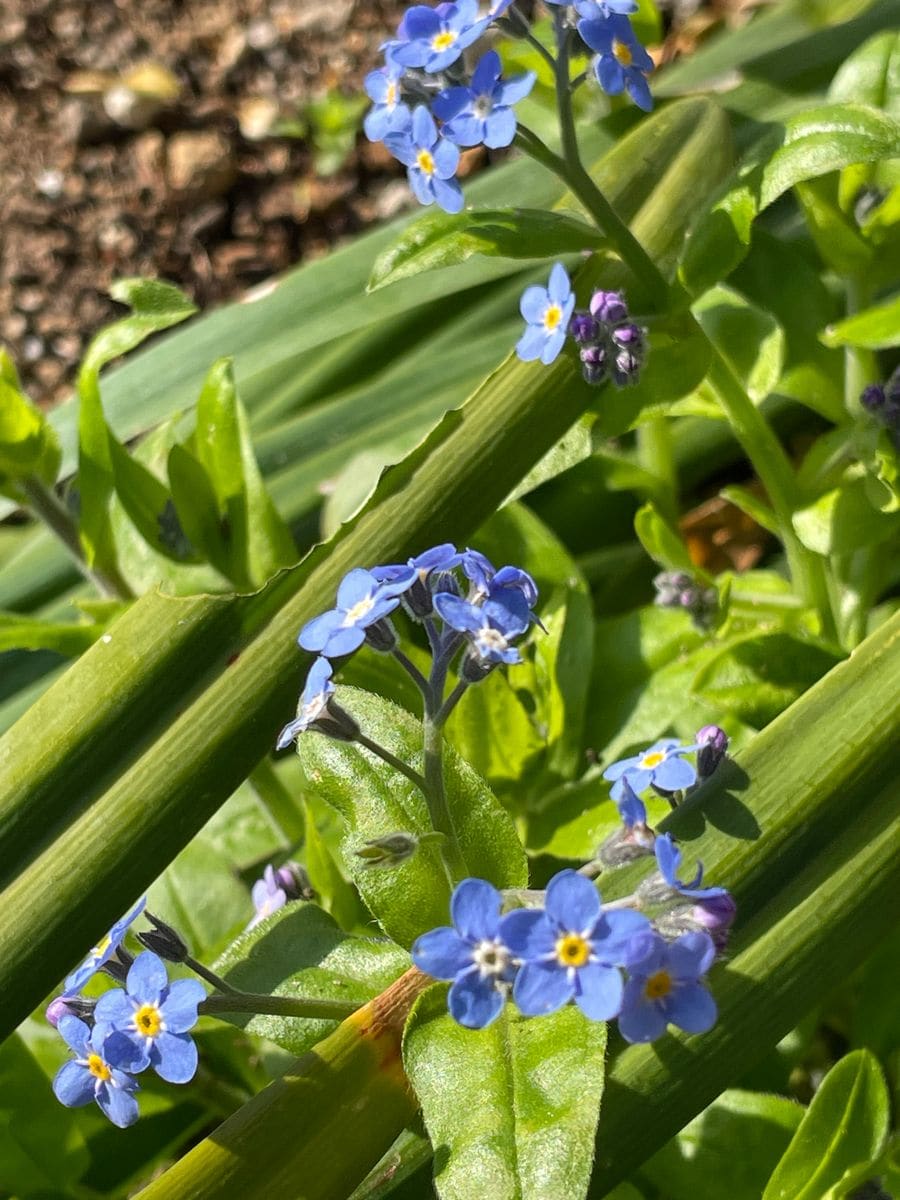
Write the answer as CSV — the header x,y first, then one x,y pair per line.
x,y
609,307
294,882
56,1010
629,336
713,743
382,636
716,915
583,328
163,940
873,398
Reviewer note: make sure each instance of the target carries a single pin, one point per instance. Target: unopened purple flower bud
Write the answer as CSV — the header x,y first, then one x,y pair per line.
x,y
873,398
583,328
609,307
56,1010
626,368
713,743
593,363
294,882
629,337
716,915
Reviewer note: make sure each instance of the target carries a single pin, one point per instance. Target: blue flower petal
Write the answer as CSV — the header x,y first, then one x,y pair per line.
x,y
356,585
559,287
420,21
315,633
540,989
442,953
513,90
499,128
573,903
147,976
690,955
475,909
449,102
114,1008
531,344
465,130
448,194
610,75
75,1033
119,1105
625,937
174,1057
553,345
528,933
617,769
486,74
446,159
458,613
73,1085
640,1020
424,130
598,991
475,1001
533,303
344,640
674,773
125,1051
402,148
180,1006
692,1008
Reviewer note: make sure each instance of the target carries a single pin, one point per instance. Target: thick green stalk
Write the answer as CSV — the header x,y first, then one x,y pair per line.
x,y
279,1006
441,819
771,464
655,453
279,803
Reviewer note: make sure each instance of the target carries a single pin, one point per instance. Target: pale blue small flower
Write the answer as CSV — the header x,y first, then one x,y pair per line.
x,y
361,601
482,112
430,160
389,114
313,702
102,952
547,311
668,859
662,766
664,988
96,1073
622,62
434,38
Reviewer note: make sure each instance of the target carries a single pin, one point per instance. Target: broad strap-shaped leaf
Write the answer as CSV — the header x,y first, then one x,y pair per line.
x,y
809,144
512,1109
846,1125
441,240
876,328
748,337
301,952
374,800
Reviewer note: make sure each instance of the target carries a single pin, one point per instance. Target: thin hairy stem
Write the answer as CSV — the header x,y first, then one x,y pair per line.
x,y
393,761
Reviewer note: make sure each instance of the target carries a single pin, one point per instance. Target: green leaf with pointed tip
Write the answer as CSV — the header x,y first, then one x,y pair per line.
x,y
661,541
847,1123
876,328
374,799
300,951
809,144
843,521
260,542
441,240
538,1084
28,443
747,336
155,305
197,506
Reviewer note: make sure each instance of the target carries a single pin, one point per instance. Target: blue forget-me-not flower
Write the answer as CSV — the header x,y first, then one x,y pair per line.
x,y
313,702
572,949
102,952
622,62
155,1016
662,766
602,10
430,160
434,38
547,311
97,1071
668,860
361,601
482,112
389,114
664,988
472,954
489,627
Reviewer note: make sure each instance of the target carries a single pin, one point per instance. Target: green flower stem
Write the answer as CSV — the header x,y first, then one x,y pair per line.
x,y
524,30
656,455
605,218
393,761
450,703
437,799
217,981
278,802
278,1006
412,671
860,367
772,466
45,504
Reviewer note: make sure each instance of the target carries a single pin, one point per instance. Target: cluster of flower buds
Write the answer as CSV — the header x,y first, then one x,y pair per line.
x,y
465,603
276,887
425,108
610,344
679,589
143,1024
882,401
640,960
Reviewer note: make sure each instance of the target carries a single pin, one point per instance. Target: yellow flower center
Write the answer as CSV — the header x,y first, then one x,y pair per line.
x,y
98,1068
390,98
658,985
359,609
572,950
622,53
425,162
148,1020
443,41
552,317
649,761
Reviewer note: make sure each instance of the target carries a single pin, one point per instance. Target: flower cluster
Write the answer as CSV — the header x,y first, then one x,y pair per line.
x,y
610,344
464,601
143,1024
277,886
424,108
679,589
608,960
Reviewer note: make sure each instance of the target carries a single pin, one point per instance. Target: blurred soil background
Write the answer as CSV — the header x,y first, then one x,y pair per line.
x,y
209,142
